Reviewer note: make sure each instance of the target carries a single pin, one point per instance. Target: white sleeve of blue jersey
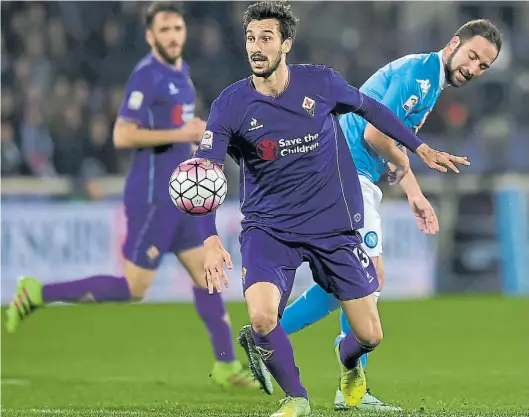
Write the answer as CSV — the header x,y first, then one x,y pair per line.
x,y
405,92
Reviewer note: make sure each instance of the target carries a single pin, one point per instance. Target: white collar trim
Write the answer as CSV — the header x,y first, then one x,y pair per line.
x,y
442,75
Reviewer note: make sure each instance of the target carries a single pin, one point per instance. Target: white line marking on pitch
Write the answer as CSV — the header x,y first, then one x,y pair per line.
x,y
15,381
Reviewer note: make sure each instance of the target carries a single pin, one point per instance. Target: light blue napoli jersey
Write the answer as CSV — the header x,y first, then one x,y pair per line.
x,y
410,87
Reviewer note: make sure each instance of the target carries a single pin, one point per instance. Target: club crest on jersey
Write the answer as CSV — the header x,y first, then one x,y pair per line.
x,y
309,105
207,140
411,103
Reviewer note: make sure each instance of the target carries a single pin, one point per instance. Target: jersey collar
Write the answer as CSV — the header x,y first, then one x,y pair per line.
x,y
442,74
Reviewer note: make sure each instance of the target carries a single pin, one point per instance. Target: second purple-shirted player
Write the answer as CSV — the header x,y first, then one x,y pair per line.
x,y
300,197
157,120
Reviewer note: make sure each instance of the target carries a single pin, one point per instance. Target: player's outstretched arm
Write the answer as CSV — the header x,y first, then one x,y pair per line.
x,y
349,100
128,134
385,120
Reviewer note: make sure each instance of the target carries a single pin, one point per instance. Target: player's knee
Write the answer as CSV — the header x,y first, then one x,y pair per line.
x,y
263,320
373,337
139,280
376,337
138,287
137,290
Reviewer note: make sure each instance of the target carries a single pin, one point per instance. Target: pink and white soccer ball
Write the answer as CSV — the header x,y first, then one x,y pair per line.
x,y
198,186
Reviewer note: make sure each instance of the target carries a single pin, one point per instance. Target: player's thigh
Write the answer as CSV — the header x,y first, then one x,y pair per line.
x,y
269,266
149,237
378,263
187,245
364,320
193,261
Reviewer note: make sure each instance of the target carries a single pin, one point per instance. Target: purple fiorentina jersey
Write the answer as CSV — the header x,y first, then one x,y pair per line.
x,y
158,97
297,173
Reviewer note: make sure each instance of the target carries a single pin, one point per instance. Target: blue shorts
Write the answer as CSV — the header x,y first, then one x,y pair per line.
x,y
339,264
156,229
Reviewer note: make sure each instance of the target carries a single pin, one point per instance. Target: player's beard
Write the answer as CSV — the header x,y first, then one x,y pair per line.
x,y
268,71
451,72
168,58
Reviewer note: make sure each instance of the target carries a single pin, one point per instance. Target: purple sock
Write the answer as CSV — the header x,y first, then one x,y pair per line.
x,y
210,308
278,355
351,350
99,289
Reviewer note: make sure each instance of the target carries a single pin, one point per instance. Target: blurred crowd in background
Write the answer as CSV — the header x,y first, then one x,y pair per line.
x,y
64,66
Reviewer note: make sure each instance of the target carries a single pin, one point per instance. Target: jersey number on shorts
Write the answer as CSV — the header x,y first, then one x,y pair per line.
x,y
362,256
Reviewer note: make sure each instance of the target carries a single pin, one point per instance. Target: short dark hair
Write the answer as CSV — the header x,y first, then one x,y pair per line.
x,y
278,10
480,27
160,7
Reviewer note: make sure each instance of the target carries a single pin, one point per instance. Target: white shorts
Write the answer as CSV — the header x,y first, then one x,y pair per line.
x,y
372,231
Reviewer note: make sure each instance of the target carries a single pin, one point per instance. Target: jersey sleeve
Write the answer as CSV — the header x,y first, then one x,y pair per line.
x,y
403,95
139,97
348,99
216,138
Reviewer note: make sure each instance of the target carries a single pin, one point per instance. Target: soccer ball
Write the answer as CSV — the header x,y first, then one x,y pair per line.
x,y
198,186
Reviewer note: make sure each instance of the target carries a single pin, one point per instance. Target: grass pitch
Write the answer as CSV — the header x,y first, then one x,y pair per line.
x,y
440,357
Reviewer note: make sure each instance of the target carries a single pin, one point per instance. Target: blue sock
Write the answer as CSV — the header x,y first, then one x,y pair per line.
x,y
309,308
346,329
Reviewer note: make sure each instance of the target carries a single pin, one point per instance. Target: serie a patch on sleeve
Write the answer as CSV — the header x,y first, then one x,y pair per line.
x,y
135,100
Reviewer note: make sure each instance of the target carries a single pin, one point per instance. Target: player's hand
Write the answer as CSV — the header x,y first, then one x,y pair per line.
x,y
216,257
398,172
424,214
194,129
440,160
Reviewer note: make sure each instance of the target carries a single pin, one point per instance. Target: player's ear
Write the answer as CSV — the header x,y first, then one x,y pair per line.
x,y
149,37
454,43
286,46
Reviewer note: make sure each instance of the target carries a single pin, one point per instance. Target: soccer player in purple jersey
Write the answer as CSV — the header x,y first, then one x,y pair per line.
x,y
300,197
157,120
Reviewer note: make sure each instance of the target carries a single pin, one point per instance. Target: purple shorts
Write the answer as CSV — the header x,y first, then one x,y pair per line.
x,y
158,229
339,264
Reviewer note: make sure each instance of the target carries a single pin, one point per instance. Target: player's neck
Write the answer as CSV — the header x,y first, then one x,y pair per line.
x,y
275,84
177,64
445,55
